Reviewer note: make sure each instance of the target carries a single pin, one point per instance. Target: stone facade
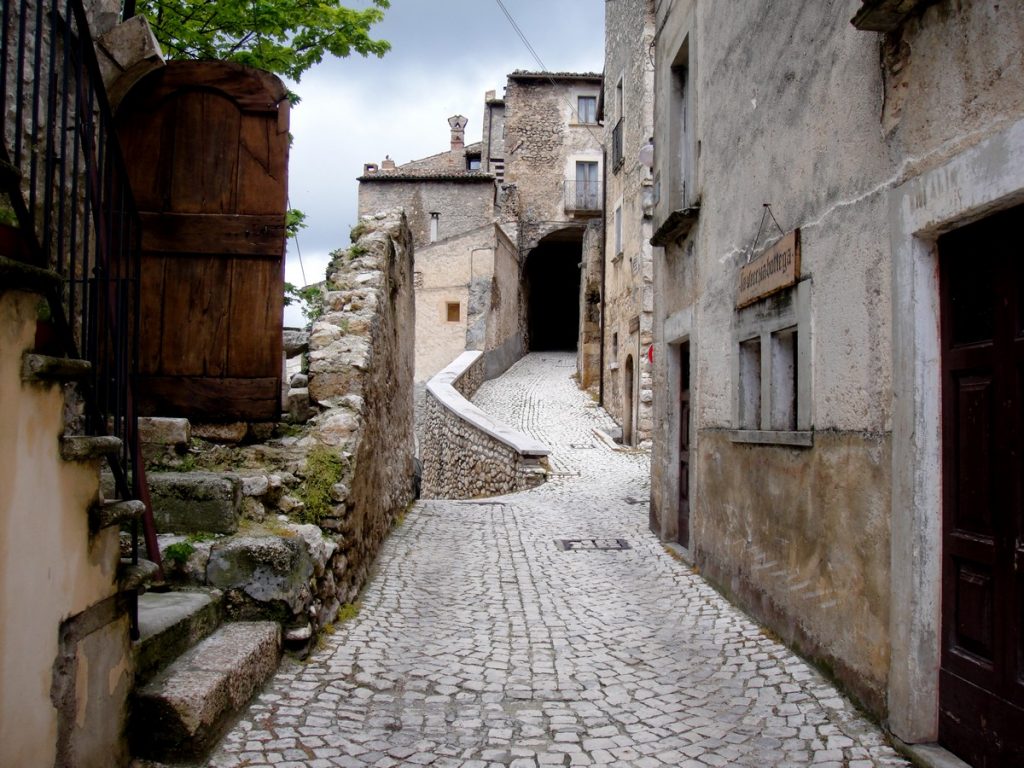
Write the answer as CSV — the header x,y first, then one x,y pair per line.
x,y
477,212
466,454
813,428
628,267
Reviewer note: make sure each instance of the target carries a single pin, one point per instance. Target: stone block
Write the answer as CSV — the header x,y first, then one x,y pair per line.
x,y
299,409
181,713
157,430
186,502
296,342
234,432
263,577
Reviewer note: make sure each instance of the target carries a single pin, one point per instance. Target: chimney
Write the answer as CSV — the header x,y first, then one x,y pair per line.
x,y
387,164
369,169
458,124
489,96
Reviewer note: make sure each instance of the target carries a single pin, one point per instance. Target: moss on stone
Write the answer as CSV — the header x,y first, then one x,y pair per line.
x,y
324,469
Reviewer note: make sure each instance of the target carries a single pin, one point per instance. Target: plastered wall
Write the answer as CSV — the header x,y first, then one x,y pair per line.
x,y
50,570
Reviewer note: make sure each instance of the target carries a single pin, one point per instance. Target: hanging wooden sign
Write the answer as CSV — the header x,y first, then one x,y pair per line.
x,y
773,270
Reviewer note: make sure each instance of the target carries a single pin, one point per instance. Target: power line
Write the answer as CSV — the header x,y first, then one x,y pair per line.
x,y
544,69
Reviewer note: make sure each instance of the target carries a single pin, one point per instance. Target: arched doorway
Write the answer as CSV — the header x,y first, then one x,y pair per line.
x,y
627,401
552,287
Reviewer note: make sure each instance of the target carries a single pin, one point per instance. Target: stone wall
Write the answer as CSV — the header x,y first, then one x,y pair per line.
x,y
628,269
361,376
505,341
466,453
464,203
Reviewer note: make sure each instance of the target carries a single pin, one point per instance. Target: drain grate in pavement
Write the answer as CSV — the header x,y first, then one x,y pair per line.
x,y
574,545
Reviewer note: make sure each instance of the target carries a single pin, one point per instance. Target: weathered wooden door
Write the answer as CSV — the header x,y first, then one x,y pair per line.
x,y
982,676
206,144
683,513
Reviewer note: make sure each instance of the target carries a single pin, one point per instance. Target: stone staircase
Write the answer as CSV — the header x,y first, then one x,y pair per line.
x,y
194,673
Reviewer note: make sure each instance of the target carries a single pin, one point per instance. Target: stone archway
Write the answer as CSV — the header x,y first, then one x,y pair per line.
x,y
551,283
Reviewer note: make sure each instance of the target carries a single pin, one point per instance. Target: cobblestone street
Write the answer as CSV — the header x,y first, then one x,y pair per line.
x,y
483,642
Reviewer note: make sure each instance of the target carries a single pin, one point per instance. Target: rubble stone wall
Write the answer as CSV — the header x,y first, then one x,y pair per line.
x,y
466,453
361,376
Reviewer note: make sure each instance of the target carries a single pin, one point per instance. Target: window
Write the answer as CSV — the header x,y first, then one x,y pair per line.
x,y
454,310
473,163
435,220
587,186
784,379
619,111
618,230
771,366
750,384
680,137
586,109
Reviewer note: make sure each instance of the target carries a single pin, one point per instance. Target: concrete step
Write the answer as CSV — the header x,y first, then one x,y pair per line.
x,y
133,576
180,714
169,624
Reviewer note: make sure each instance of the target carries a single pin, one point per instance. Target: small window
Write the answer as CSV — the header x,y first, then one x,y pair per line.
x,y
473,163
750,384
454,309
586,109
619,109
435,221
615,344
784,379
618,230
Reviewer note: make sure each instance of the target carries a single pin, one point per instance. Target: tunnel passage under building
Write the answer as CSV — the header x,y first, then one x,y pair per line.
x,y
553,292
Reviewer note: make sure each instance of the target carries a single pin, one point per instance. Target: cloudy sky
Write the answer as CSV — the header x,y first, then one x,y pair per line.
x,y
445,54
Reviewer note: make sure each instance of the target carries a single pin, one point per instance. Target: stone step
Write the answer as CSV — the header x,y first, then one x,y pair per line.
x,y
108,513
194,502
88,448
180,714
53,369
169,624
132,576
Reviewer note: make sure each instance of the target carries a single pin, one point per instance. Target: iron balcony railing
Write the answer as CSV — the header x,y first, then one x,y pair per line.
x,y
64,174
582,197
617,158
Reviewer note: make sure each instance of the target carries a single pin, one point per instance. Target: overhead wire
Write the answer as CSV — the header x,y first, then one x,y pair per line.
x,y
544,69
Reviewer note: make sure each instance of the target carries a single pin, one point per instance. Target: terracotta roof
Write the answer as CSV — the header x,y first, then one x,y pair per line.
x,y
427,175
522,74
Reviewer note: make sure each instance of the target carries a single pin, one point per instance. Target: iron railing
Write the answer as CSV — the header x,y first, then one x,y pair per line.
x,y
68,186
617,157
582,196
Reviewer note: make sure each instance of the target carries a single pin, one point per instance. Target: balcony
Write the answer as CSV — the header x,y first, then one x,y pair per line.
x,y
582,198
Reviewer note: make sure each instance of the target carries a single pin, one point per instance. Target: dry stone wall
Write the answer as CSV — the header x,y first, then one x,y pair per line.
x,y
466,453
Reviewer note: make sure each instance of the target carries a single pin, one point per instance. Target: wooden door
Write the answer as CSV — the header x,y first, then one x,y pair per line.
x,y
981,713
206,145
684,446
627,402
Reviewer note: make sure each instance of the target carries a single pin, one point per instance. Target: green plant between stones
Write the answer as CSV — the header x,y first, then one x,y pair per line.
x,y
179,553
323,470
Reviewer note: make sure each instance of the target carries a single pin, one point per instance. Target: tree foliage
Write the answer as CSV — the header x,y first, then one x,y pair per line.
x,y
283,36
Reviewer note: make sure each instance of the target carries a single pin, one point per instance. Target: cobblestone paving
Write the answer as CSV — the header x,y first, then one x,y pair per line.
x,y
481,643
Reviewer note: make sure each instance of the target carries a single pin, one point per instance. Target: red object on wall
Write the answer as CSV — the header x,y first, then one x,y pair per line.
x,y
650,354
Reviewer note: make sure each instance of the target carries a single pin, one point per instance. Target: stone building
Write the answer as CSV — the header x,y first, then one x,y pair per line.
x,y
627,270
838,382
498,225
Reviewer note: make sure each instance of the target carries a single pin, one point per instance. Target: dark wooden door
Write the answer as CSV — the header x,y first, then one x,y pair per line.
x,y
981,715
206,145
684,446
